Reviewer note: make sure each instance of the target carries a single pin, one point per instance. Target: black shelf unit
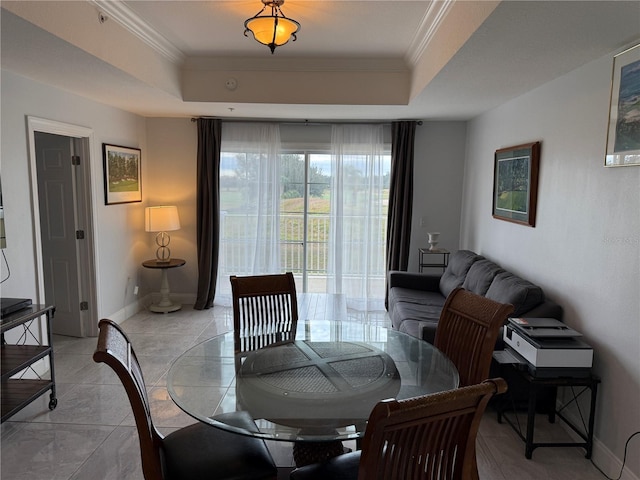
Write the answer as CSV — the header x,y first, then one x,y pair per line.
x,y
19,392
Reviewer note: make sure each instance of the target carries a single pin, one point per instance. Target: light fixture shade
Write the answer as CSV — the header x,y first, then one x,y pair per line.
x,y
272,30
163,218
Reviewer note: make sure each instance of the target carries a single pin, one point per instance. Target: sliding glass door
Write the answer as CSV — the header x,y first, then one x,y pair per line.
x,y
304,217
319,212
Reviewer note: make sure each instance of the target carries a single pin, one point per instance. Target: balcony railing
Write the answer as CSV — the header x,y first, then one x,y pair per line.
x,y
237,243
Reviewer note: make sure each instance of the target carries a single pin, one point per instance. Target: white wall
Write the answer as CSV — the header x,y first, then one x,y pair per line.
x,y
118,228
585,248
172,150
437,185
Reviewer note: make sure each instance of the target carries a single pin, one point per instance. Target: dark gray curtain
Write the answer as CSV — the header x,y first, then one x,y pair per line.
x,y
400,195
208,181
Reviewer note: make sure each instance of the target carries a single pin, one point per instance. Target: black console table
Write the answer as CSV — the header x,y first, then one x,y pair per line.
x,y
578,386
19,392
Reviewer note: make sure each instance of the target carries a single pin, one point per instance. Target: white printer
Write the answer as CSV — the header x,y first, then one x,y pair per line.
x,y
549,347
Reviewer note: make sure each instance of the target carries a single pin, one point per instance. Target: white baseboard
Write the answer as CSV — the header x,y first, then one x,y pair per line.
x,y
128,310
144,302
180,298
604,458
609,463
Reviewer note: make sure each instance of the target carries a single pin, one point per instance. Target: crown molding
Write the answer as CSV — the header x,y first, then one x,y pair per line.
x,y
430,24
126,17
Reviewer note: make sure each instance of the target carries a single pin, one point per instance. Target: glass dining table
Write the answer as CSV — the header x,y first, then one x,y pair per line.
x,y
316,391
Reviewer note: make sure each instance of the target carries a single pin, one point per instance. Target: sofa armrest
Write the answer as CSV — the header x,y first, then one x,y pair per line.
x,y
415,281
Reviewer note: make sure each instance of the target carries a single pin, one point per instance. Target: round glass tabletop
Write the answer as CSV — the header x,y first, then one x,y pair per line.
x,y
320,387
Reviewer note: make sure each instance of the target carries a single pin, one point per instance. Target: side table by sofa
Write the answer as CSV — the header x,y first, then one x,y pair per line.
x,y
440,261
535,386
164,305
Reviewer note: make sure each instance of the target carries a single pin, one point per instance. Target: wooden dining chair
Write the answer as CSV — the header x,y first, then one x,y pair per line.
x,y
265,310
467,332
197,452
428,437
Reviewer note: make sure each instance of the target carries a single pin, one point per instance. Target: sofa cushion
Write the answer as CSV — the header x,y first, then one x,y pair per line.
x,y
422,329
522,294
417,297
459,264
480,276
416,315
418,305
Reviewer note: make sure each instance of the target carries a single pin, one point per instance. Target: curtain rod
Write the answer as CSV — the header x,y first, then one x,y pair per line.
x,y
298,122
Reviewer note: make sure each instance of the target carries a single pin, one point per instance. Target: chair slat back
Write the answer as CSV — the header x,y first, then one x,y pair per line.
x,y
428,437
265,310
467,332
114,349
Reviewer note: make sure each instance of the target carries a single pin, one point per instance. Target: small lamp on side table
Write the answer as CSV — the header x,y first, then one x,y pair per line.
x,y
162,219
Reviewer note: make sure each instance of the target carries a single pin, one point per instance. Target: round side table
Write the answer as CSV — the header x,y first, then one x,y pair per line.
x,y
165,305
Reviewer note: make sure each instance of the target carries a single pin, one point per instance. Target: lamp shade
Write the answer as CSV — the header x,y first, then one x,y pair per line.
x,y
163,218
272,31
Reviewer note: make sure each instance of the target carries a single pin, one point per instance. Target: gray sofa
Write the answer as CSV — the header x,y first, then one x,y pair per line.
x,y
415,300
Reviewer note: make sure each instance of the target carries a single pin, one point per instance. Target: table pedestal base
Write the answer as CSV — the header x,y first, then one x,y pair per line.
x,y
165,305
164,309
307,453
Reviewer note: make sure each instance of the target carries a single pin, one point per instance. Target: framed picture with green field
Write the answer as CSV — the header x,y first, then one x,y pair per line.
x,y
515,183
623,134
122,174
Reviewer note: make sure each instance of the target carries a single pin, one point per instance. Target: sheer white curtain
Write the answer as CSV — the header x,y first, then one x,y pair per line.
x,y
249,203
358,216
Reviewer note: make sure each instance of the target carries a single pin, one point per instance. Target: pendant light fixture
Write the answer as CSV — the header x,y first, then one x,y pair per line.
x,y
271,30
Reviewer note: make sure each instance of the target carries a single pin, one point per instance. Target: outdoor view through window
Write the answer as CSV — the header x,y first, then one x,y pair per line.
x,y
317,218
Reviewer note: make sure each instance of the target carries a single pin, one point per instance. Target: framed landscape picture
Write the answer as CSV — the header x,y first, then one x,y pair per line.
x,y
623,134
122,174
515,183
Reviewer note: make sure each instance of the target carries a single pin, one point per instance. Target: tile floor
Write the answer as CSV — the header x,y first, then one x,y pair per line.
x,y
91,434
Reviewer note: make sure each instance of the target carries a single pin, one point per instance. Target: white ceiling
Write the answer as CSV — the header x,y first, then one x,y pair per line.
x,y
363,59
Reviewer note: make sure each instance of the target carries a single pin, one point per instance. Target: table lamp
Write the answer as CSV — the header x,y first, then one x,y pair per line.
x,y
162,219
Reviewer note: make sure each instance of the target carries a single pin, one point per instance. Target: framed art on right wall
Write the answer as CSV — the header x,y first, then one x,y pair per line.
x,y
515,183
623,133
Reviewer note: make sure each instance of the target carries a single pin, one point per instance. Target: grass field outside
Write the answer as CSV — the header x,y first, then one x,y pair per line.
x,y
239,222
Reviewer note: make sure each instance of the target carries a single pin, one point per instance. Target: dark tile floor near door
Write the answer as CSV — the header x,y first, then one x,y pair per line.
x,y
91,435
